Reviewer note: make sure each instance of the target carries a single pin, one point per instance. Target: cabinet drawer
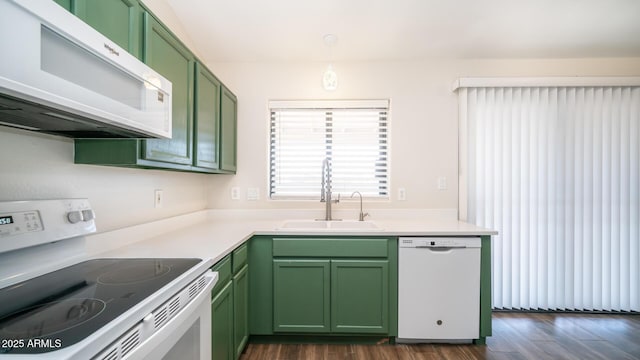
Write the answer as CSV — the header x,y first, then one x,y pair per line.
x,y
223,267
239,258
330,247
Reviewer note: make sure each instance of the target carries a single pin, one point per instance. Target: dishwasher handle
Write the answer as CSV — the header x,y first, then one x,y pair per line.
x,y
441,247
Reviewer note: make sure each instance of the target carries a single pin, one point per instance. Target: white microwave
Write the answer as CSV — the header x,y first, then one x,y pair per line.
x,y
59,75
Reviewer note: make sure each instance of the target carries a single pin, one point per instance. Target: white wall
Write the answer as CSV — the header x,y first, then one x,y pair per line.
x,y
423,122
36,166
423,118
423,136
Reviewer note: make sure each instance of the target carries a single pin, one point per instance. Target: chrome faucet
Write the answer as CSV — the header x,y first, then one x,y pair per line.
x,y
362,215
325,191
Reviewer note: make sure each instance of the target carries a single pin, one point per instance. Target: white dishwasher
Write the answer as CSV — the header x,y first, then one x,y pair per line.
x,y
438,289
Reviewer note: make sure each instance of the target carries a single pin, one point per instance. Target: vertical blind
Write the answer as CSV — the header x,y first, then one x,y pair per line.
x,y
556,171
352,135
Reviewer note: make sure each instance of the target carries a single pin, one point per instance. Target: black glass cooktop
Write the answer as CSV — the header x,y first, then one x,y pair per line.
x,y
63,307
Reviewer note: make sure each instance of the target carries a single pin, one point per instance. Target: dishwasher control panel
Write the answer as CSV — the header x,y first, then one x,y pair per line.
x,y
440,242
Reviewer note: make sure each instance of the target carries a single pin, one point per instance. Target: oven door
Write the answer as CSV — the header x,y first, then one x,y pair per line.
x,y
187,336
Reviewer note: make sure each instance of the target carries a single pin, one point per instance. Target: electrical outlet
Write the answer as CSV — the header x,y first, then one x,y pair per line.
x,y
402,194
157,198
442,183
235,193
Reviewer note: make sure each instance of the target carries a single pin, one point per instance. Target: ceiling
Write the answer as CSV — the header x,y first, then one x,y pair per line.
x,y
388,30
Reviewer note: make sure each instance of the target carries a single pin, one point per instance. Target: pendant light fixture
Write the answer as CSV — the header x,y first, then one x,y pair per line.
x,y
330,78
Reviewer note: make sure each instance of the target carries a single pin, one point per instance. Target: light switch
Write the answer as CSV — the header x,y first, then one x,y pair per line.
x,y
235,193
253,194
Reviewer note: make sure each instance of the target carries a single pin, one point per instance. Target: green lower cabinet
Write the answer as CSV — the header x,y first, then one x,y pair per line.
x,y
485,290
230,306
301,296
333,285
222,324
240,310
261,285
337,296
360,296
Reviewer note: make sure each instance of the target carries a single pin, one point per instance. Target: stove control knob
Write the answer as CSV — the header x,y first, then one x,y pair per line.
x,y
88,215
74,217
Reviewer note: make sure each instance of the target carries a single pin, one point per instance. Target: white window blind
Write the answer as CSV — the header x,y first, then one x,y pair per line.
x,y
353,135
556,171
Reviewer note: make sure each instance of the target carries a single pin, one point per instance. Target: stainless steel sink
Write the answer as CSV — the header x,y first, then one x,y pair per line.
x,y
304,224
349,225
353,225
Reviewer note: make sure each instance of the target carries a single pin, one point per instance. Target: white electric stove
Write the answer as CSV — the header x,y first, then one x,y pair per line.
x,y
56,303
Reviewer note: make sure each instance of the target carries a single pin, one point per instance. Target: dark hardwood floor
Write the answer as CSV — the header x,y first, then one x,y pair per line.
x,y
536,336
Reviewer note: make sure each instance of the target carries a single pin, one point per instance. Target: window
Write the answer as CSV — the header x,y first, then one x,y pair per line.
x,y
555,170
352,135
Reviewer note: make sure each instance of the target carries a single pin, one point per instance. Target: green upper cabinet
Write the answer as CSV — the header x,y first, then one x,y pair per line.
x,y
207,119
119,20
65,4
204,111
229,114
166,55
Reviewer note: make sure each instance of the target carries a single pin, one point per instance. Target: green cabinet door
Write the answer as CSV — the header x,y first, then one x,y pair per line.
x,y
360,296
222,324
485,290
207,119
165,54
301,296
228,129
119,20
261,285
67,4
240,310
204,113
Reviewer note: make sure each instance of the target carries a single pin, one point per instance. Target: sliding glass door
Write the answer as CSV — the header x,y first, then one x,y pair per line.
x,y
556,170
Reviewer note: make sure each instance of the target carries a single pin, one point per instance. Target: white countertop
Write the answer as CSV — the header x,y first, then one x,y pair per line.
x,y
212,234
